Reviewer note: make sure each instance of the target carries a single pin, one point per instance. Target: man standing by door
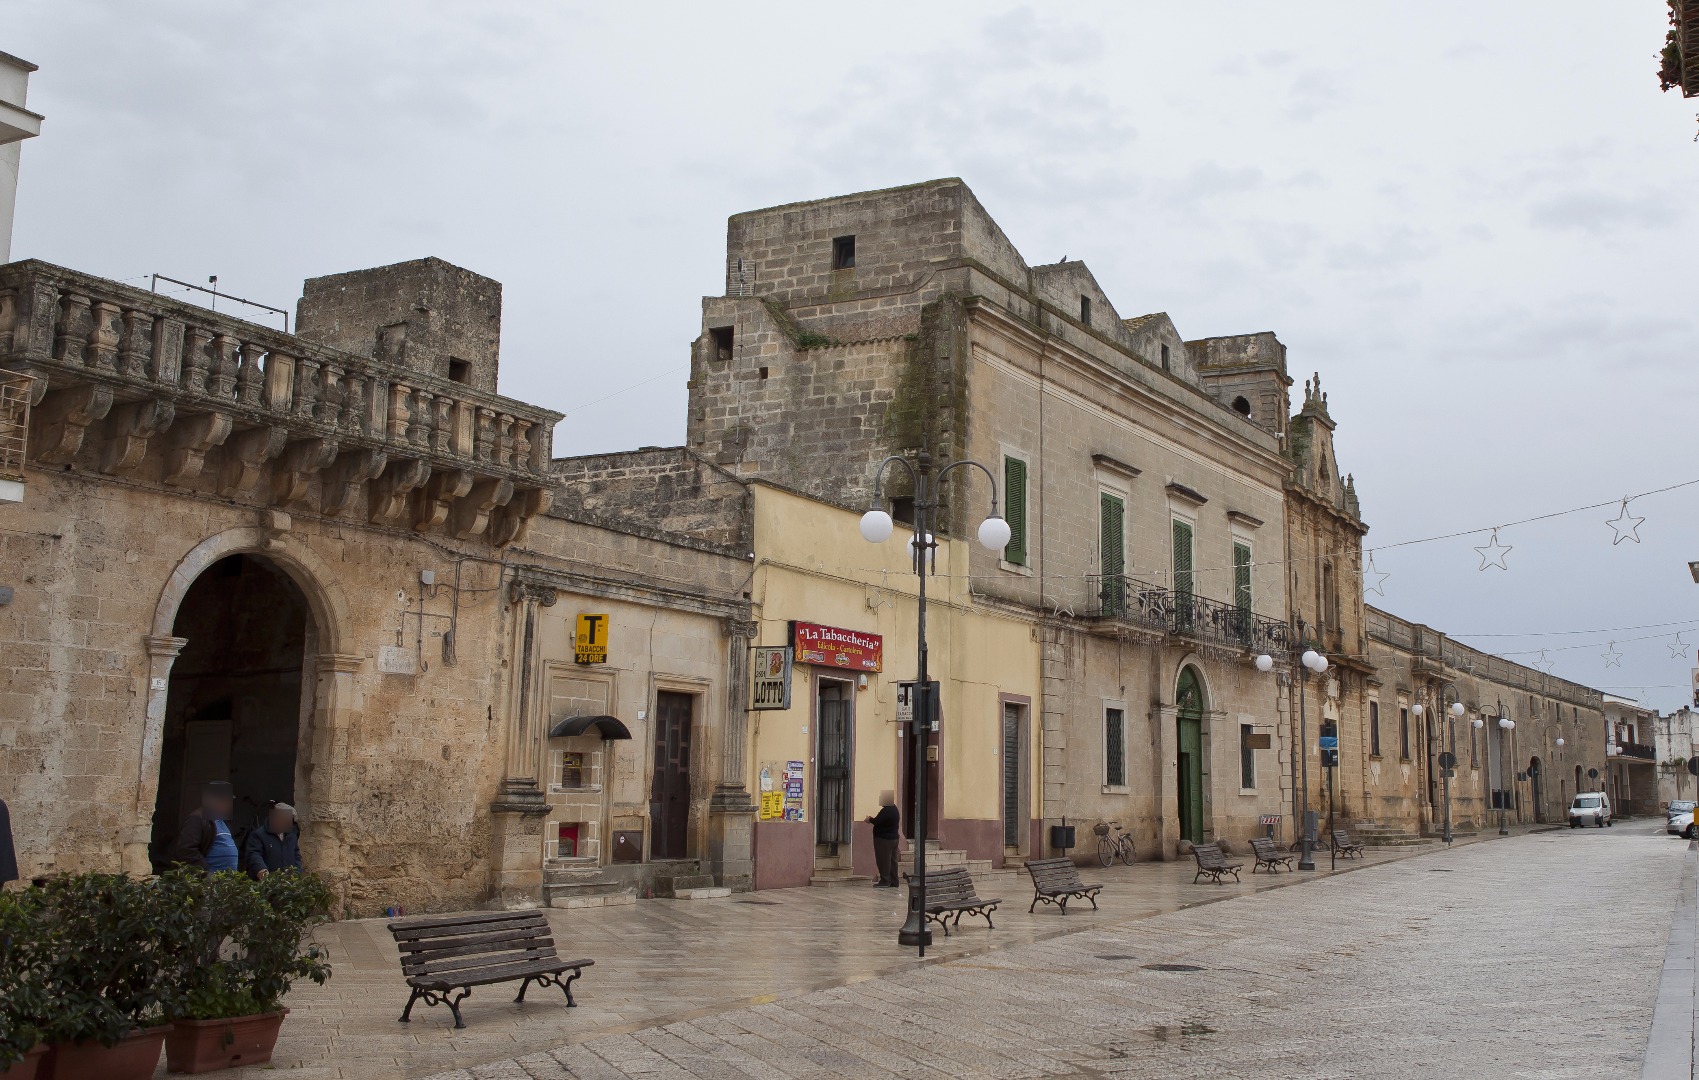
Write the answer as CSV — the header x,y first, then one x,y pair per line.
x,y
886,827
205,841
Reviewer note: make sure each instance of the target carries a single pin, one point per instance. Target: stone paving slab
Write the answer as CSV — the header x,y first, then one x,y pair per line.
x,y
663,963
1536,957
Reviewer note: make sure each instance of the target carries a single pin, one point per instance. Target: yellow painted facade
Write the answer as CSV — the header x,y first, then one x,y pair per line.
x,y
813,566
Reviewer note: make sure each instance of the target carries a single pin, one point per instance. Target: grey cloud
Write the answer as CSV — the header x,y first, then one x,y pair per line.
x,y
1603,212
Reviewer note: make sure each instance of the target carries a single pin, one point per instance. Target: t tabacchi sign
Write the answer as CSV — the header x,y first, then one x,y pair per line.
x,y
833,646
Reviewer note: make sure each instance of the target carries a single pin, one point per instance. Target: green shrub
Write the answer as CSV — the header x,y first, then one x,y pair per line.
x,y
23,994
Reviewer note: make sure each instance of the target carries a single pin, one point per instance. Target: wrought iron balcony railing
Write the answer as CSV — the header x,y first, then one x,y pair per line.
x,y
1636,750
1188,615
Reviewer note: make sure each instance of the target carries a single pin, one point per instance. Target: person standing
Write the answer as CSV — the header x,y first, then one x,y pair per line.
x,y
275,845
205,842
886,828
8,854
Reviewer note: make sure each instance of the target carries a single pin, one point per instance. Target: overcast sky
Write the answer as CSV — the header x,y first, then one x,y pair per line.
x,y
1472,218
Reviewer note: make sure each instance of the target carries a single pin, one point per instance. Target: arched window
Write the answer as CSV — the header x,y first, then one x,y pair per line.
x,y
1241,406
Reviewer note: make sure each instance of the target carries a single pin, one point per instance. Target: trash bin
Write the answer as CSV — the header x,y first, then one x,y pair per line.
x,y
1062,837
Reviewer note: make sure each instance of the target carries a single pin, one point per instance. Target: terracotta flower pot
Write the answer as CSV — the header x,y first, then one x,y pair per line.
x,y
27,1068
197,1046
134,1058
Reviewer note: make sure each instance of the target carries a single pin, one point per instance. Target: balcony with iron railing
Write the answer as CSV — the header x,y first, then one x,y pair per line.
x,y
1188,616
118,369
15,393
1636,751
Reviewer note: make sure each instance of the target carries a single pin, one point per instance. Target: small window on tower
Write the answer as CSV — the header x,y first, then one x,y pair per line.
x,y
1085,310
843,253
1164,358
721,336
1241,406
459,370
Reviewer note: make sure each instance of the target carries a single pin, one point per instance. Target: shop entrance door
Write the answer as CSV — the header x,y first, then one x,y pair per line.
x,y
669,807
832,767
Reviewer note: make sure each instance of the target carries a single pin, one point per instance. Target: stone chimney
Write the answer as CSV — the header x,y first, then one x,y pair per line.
x,y
16,124
427,315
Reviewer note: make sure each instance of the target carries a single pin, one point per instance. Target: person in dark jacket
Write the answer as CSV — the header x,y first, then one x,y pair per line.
x,y
276,845
8,854
886,827
205,841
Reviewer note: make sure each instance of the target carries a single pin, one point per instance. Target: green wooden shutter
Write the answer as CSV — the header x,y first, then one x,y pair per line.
x,y
1242,577
1182,558
1112,557
1014,502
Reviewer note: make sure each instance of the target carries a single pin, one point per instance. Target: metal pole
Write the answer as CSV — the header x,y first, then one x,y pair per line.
x,y
1305,860
1503,830
915,931
1445,774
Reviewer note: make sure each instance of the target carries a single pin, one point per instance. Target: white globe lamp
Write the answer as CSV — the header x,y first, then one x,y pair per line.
x,y
1506,723
1560,740
1478,723
913,539
1417,711
994,534
876,526
1265,663
1457,710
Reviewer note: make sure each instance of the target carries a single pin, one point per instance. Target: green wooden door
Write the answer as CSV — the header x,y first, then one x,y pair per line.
x,y
1190,756
1112,552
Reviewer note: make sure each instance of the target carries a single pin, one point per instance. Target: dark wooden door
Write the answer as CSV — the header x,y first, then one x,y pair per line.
x,y
669,805
1012,776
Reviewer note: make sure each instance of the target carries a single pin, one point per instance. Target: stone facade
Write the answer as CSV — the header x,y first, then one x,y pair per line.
x,y
1675,743
1633,774
1416,665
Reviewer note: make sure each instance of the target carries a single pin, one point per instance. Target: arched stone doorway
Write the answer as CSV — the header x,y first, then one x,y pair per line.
x,y
237,702
1189,712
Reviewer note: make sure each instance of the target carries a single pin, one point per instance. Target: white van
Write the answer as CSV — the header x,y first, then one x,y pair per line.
x,y
1590,808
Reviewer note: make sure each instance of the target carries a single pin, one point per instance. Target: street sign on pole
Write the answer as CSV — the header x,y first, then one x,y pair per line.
x,y
1447,760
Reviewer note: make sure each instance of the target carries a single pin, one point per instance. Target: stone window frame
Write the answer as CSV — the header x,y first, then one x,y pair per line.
x,y
1114,705
1374,729
1247,756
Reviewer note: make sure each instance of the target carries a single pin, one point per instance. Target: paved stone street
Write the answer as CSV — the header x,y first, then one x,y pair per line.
x,y
1500,959
780,983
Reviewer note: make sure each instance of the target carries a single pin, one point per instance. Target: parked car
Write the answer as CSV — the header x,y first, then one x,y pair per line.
x,y
1590,808
1678,818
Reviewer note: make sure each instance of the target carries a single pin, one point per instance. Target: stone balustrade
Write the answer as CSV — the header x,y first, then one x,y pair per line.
x,y
172,392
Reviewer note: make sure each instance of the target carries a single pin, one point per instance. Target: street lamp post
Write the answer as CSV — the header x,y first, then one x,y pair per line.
x,y
876,528
1505,723
1316,662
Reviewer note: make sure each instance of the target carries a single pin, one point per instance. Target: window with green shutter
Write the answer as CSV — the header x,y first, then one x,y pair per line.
x,y
1112,555
1242,588
1014,503
1182,575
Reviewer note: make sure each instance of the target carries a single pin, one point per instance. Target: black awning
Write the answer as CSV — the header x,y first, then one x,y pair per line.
x,y
608,727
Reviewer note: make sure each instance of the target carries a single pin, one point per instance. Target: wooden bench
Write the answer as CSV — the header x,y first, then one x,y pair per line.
x,y
1212,862
442,954
1342,844
1056,881
950,895
1269,856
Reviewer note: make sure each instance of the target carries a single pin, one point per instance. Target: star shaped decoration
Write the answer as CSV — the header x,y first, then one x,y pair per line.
x,y
1374,579
1626,525
1678,648
1545,663
1612,657
1492,553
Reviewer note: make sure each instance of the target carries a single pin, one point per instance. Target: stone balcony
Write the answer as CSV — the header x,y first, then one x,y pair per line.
x,y
137,386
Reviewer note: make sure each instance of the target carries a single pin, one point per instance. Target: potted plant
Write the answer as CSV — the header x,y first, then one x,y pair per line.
x,y
102,946
244,953
23,998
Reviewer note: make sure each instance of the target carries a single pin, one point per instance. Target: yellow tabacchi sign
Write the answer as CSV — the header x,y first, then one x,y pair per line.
x,y
591,644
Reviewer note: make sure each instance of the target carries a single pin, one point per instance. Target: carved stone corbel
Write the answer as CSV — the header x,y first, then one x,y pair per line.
x,y
191,441
244,460
526,504
471,515
133,425
438,496
389,493
301,461
342,485
62,418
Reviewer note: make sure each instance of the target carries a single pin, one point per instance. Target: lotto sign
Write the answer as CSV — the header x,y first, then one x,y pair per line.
x,y
770,681
590,646
833,646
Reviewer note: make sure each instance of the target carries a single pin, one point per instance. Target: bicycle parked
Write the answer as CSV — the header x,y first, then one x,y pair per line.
x,y
1113,842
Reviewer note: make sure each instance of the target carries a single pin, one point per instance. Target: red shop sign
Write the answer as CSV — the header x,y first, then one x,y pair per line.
x,y
835,647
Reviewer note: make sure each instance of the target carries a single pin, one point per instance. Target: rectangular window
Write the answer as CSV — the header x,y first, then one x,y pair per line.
x,y
571,770
1164,358
843,253
1085,310
1474,752
1014,509
1114,748
1247,758
1404,734
1374,729
459,370
1242,590
1111,551
1182,560
721,336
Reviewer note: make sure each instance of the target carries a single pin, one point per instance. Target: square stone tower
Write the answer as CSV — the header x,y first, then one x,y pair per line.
x,y
427,315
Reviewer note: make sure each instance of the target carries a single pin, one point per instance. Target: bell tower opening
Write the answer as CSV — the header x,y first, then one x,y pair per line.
x,y
234,707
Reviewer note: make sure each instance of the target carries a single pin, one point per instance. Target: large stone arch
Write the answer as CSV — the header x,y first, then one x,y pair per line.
x,y
327,690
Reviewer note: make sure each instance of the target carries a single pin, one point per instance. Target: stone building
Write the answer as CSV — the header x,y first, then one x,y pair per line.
x,y
310,563
1633,773
1138,471
1553,747
1674,741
